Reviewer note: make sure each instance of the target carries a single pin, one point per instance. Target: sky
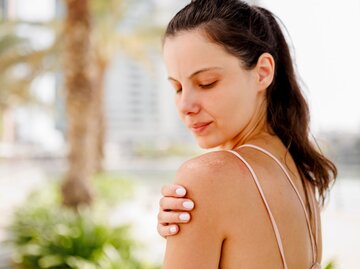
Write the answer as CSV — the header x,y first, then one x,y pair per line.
x,y
326,41
326,38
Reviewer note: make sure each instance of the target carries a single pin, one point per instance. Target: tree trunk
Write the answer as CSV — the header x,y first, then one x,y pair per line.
x,y
80,96
100,116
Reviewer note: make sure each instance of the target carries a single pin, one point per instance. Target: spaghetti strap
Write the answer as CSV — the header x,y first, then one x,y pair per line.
x,y
272,219
313,241
315,210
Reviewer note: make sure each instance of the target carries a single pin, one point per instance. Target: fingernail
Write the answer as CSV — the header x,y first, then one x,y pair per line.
x,y
188,204
180,191
184,216
172,229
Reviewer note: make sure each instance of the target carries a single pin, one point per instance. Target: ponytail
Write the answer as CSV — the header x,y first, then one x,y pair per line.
x,y
289,117
247,32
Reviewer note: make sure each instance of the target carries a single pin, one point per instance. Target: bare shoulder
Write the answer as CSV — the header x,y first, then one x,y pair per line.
x,y
216,181
210,169
199,243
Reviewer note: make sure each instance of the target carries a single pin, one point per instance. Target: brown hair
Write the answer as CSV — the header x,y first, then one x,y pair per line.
x,y
247,32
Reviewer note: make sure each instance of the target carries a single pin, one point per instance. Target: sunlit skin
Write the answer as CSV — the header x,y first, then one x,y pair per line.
x,y
224,106
212,86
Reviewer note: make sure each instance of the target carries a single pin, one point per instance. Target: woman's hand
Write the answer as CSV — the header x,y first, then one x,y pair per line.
x,y
174,208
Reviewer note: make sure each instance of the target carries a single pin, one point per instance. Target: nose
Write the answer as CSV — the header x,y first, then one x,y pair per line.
x,y
188,102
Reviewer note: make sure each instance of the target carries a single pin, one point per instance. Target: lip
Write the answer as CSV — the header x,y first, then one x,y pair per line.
x,y
199,126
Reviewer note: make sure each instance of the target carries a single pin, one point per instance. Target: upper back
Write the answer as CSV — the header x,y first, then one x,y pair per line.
x,y
230,225
250,237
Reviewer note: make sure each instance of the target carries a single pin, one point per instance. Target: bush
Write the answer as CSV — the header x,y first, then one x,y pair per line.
x,y
47,235
330,265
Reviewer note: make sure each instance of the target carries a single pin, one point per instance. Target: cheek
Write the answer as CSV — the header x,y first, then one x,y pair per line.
x,y
234,109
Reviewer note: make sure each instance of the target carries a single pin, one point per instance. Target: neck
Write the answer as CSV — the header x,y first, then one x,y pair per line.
x,y
257,129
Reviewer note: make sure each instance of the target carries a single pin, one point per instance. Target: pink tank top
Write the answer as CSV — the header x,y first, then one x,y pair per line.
x,y
272,219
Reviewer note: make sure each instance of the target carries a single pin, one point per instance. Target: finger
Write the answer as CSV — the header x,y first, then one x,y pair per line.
x,y
176,204
173,190
167,230
165,217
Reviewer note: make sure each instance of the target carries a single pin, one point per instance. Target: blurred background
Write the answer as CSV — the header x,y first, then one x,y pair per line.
x,y
87,122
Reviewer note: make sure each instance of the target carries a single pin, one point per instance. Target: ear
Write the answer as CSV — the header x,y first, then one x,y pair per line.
x,y
265,69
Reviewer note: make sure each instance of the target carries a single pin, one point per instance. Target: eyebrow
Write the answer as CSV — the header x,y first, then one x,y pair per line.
x,y
198,72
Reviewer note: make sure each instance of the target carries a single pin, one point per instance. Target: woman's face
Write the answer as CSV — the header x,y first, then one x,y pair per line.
x,y
216,97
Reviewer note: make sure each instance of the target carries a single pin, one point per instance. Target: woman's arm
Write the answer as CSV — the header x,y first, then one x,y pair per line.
x,y
198,245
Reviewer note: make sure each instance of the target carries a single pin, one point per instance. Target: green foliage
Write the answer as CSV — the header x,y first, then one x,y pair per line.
x,y
46,235
330,265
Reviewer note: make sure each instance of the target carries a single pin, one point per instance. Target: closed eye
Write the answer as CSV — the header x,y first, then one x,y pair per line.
x,y
208,86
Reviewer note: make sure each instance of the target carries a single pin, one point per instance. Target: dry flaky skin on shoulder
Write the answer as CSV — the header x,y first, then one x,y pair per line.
x,y
209,180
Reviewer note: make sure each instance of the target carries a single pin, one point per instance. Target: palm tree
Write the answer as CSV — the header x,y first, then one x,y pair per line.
x,y
80,96
20,65
87,52
85,98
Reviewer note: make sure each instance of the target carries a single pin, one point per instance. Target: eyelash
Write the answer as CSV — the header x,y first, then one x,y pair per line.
x,y
206,86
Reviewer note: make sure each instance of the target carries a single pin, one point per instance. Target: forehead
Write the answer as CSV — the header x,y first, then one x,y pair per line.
x,y
192,50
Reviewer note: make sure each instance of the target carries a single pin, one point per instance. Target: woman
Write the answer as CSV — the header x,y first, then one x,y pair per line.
x,y
236,90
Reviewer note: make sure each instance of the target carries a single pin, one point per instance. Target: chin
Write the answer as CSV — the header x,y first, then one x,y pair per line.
x,y
206,143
